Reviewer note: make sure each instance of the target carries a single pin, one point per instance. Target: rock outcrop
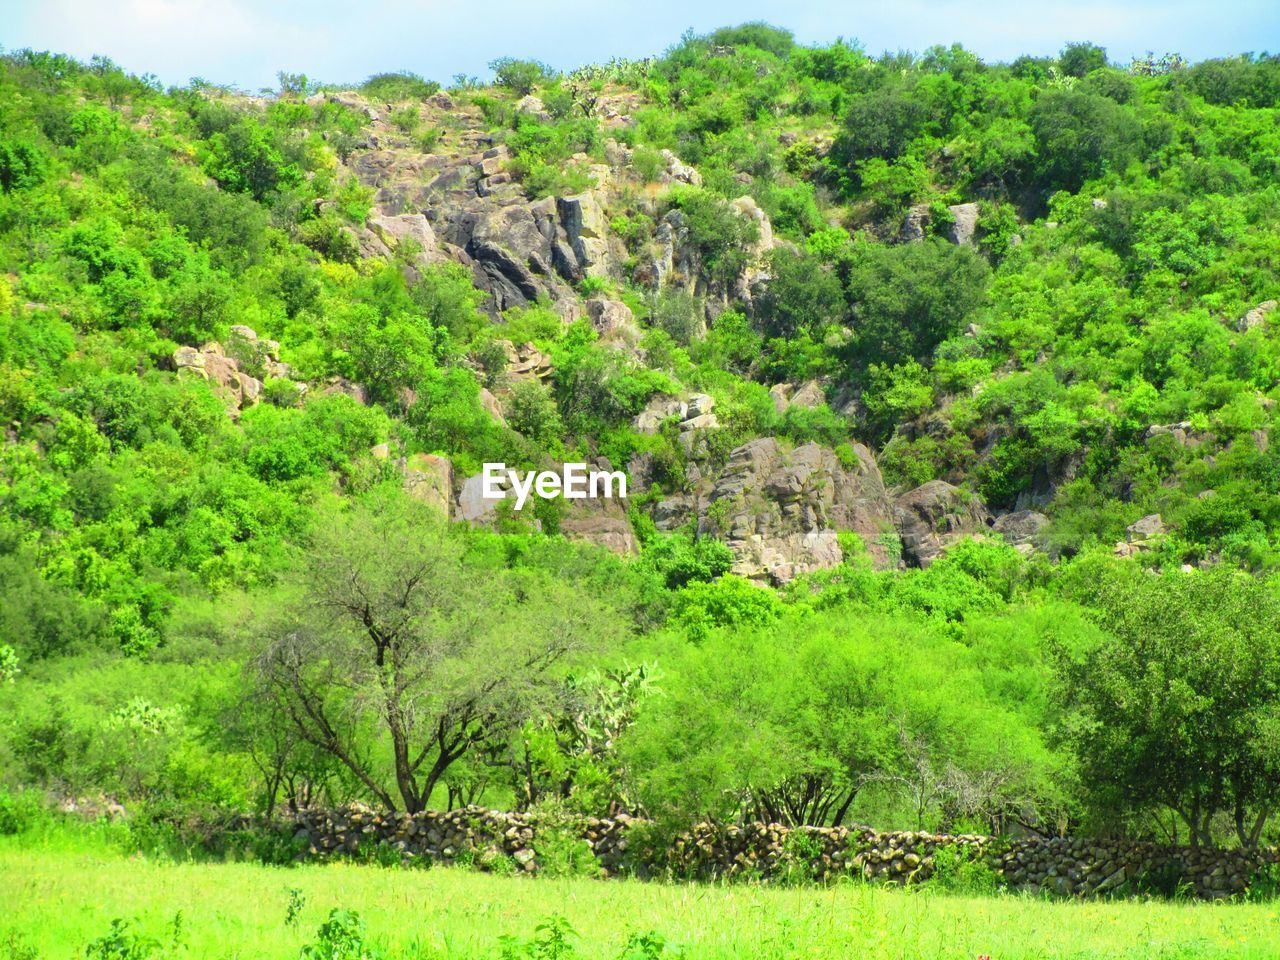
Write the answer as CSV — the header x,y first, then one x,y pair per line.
x,y
1257,316
932,517
780,511
602,521
964,223
1141,536
428,478
227,366
1022,528
807,394
961,230
460,202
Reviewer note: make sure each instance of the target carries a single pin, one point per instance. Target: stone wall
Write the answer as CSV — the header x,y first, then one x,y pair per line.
x,y
1062,866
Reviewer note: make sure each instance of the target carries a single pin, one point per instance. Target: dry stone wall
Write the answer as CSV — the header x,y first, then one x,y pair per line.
x,y
1059,865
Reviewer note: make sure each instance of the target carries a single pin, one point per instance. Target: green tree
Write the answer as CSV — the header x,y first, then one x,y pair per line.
x,y
1081,59
1177,708
1080,135
520,76
402,657
909,298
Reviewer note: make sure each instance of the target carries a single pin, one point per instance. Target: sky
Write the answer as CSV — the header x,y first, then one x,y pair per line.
x,y
245,43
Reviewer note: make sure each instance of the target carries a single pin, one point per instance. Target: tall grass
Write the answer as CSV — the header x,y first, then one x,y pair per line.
x,y
64,888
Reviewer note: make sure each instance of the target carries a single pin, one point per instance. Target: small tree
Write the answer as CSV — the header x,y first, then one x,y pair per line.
x,y
1081,59
400,657
521,76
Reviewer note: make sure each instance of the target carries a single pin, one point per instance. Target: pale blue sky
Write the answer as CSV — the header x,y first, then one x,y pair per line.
x,y
245,42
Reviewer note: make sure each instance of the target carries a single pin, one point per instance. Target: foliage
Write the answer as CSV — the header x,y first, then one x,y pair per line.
x,y
394,633
520,76
1100,352
1177,704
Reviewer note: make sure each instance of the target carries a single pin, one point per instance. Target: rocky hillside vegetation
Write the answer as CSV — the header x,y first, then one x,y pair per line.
x,y
944,391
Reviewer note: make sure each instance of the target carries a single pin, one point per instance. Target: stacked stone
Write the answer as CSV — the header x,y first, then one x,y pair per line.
x,y
444,836
1059,865
765,850
608,841
1073,867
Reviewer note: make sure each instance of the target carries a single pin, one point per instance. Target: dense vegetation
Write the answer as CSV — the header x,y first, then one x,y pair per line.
x,y
203,614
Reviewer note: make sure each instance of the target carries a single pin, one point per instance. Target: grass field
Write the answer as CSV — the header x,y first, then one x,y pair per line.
x,y
58,898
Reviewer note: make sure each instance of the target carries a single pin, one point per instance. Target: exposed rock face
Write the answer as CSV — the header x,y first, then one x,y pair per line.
x,y
1257,316
964,223
807,394
534,106
470,504
670,257
780,511
467,208
610,316
1021,528
429,479
210,362
385,234
1147,528
913,226
526,362
491,406
1182,432
583,221
696,419
1140,537
932,517
461,202
603,522
657,410
962,229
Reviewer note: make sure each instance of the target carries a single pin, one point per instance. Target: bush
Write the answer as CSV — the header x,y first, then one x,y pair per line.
x,y
521,76
403,85
19,812
1080,135
122,944
562,853
1081,59
956,870
341,937
909,298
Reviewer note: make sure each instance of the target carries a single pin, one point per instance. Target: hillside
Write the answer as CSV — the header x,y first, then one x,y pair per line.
x,y
944,391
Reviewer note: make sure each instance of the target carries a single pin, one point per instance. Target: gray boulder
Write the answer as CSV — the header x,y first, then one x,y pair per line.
x,y
1147,528
1021,527
780,510
964,223
932,517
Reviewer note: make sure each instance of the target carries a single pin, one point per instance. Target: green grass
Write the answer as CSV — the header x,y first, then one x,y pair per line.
x,y
59,897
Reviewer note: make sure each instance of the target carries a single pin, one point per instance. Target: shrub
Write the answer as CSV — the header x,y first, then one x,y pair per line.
x,y
520,76
957,870
341,937
1081,59
402,85
1079,135
562,853
19,812
122,944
